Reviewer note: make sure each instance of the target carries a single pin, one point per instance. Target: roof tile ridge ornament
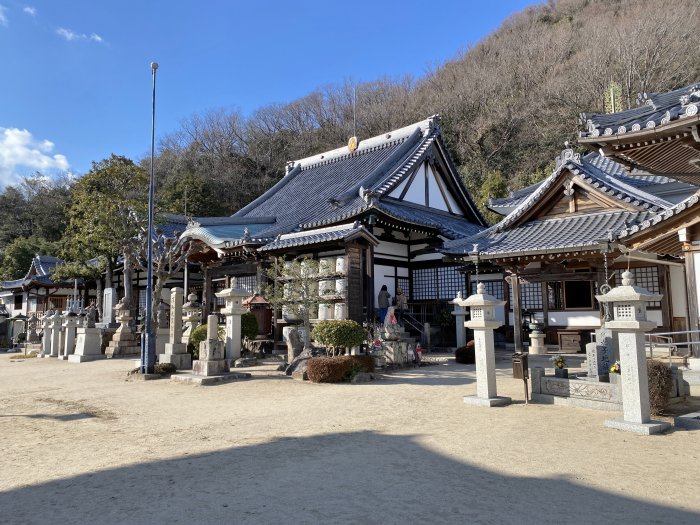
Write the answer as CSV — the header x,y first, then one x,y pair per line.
x,y
191,223
567,155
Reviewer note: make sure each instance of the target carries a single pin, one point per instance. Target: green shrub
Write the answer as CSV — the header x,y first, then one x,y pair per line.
x,y
337,334
465,354
198,335
338,369
660,384
249,325
165,369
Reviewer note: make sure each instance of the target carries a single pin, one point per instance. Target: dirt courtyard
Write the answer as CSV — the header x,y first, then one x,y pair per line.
x,y
80,444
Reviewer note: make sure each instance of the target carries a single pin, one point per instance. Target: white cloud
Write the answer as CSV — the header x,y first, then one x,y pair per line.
x,y
21,154
3,16
30,10
70,36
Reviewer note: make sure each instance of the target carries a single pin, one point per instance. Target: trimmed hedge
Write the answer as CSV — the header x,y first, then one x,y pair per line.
x,y
336,334
338,369
465,355
249,325
199,334
660,384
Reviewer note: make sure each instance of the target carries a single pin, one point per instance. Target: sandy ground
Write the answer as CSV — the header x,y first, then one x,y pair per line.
x,y
79,444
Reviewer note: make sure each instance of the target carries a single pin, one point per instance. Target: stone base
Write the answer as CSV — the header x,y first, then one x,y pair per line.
x,y
209,380
210,368
181,361
497,401
652,427
120,351
75,358
591,404
175,348
688,421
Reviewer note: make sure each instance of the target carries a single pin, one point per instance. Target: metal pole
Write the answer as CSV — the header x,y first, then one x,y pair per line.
x,y
149,355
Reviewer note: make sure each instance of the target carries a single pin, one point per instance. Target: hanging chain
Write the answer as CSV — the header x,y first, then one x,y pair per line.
x,y
605,287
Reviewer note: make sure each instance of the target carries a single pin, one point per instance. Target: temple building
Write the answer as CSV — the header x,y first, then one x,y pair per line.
x,y
629,203
381,207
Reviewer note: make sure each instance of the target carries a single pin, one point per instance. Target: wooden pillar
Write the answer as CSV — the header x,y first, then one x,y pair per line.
x,y
692,296
666,300
517,313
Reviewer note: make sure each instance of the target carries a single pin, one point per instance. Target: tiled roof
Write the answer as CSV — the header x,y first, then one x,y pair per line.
x,y
690,202
318,236
655,109
40,272
338,185
589,169
577,231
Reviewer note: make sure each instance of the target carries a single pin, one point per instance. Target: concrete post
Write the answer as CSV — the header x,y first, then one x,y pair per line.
x,y
483,321
234,298
630,323
460,315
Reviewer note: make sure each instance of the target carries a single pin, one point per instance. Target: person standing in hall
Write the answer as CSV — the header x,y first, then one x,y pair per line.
x,y
401,304
383,302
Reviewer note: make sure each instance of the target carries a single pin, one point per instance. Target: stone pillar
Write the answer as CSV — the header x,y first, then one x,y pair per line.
x,y
483,321
234,298
537,345
192,316
69,326
211,352
630,323
47,337
55,334
175,350
460,316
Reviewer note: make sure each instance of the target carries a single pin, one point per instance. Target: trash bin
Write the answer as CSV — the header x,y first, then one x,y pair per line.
x,y
520,368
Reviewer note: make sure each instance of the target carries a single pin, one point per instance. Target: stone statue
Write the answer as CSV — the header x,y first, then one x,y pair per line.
x,y
391,325
90,316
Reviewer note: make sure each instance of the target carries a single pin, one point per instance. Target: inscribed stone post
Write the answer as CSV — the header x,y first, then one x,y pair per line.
x,y
109,301
46,338
175,350
211,352
483,322
69,326
630,323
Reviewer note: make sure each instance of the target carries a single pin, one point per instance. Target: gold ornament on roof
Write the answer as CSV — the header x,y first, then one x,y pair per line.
x,y
352,144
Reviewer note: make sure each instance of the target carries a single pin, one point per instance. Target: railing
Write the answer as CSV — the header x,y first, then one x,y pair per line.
x,y
413,323
668,342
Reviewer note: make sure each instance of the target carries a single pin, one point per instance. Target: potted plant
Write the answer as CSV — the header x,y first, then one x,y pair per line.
x,y
560,369
615,372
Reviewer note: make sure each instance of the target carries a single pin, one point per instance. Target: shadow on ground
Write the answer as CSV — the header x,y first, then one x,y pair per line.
x,y
361,477
56,417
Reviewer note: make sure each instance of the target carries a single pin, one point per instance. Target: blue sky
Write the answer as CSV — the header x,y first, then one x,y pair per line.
x,y
76,81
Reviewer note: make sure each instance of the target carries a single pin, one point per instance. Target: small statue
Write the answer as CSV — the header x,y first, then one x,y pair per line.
x,y
90,316
391,325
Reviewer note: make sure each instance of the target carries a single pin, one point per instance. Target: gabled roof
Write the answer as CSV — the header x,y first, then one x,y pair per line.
x,y
342,232
655,109
339,185
513,236
40,271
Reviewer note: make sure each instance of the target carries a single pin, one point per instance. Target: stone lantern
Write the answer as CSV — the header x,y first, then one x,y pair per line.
x,y
192,316
630,323
483,321
460,315
234,309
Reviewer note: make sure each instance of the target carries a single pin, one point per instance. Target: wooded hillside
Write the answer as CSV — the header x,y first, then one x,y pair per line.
x,y
508,103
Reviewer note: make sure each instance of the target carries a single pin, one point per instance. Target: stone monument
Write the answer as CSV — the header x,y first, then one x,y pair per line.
x,y
234,299
537,337
124,341
88,346
109,302
483,321
601,354
32,335
630,323
175,350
